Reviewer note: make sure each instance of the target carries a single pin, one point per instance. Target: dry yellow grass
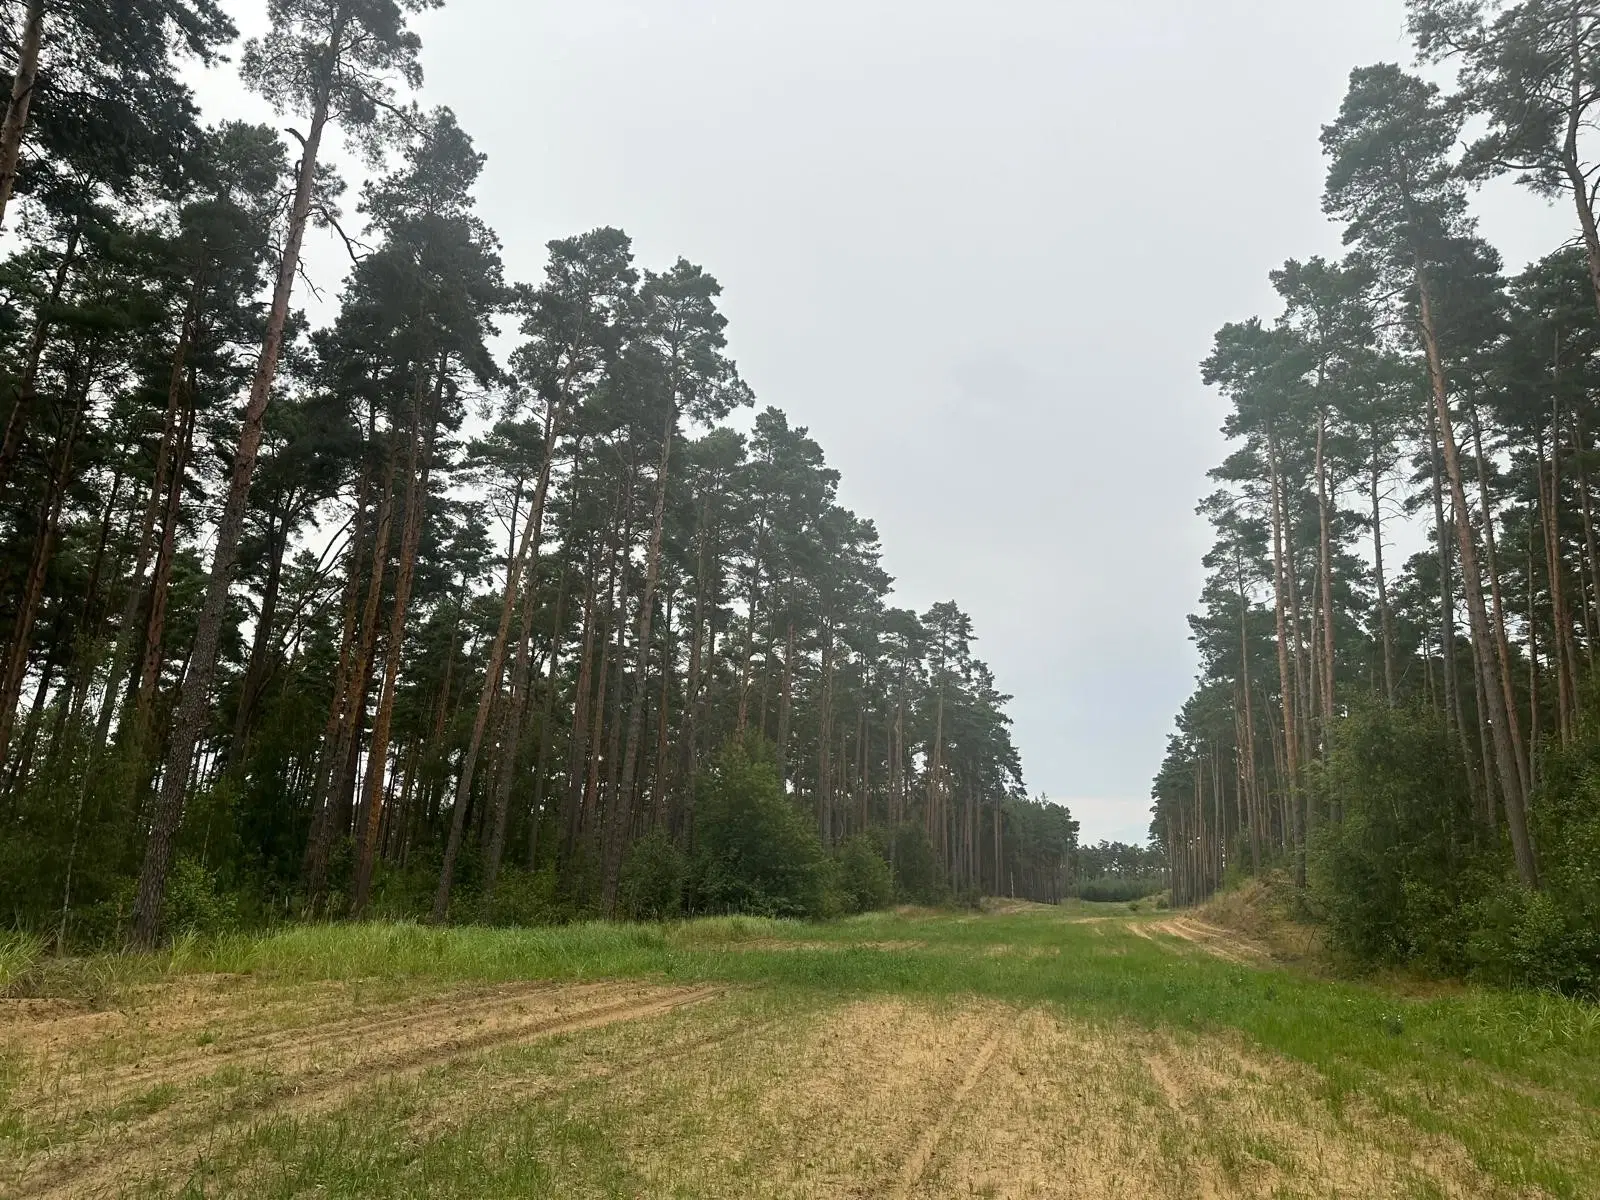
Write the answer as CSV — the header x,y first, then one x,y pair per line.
x,y
796,1073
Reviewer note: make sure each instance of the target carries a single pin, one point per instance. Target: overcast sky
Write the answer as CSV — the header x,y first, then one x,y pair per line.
x,y
978,249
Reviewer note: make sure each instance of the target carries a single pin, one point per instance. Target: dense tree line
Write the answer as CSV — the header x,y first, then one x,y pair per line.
x,y
1113,871
1415,741
381,616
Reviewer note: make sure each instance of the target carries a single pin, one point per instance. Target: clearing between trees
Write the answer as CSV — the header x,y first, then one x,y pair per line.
x,y
1026,1051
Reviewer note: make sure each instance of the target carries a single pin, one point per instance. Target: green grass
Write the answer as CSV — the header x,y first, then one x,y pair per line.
x,y
1475,1066
19,952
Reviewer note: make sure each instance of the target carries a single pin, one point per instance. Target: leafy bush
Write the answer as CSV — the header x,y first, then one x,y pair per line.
x,y
864,879
651,884
400,893
520,898
195,904
1413,874
918,876
1526,939
757,854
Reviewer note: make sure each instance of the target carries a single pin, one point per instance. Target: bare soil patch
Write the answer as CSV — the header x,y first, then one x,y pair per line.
x,y
1213,939
780,944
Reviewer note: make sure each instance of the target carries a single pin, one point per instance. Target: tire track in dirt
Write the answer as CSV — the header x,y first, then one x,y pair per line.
x,y
928,1144
335,1035
163,1141
1213,940
298,1047
516,1090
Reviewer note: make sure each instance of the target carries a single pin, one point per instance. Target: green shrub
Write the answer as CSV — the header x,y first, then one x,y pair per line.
x,y
918,875
1526,939
651,884
195,905
520,898
401,893
1412,873
865,881
757,854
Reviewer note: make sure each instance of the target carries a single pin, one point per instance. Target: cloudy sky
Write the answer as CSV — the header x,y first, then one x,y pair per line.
x,y
979,249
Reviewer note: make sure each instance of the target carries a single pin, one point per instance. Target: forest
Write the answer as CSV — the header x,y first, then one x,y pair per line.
x,y
484,600
1397,713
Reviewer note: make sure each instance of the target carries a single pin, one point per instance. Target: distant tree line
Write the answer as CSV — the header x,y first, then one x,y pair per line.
x,y
376,618
1415,742
1118,871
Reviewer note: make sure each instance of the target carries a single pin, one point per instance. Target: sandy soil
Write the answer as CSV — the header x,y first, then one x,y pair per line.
x,y
1226,944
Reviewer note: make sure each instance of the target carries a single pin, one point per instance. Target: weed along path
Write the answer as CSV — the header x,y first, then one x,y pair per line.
x,y
1025,1052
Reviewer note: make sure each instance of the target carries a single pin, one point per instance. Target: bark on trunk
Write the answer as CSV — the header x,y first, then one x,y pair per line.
x,y
622,806
1500,718
1385,616
22,85
419,463
1286,680
195,695
526,553
49,522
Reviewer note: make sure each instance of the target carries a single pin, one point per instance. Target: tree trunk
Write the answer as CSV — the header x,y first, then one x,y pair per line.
x,y
155,630
1385,615
578,747
622,807
1248,752
418,466
1510,781
1502,643
1447,614
22,85
49,522
314,863
351,706
194,701
546,723
1286,680
169,457
526,553
658,788
1572,164
254,681
1325,575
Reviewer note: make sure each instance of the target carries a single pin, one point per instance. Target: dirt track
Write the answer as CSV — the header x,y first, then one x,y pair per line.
x,y
233,1086
300,1071
1213,939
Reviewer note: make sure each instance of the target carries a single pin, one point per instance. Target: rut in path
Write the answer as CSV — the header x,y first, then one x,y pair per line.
x,y
311,1044
383,1050
911,1173
1214,940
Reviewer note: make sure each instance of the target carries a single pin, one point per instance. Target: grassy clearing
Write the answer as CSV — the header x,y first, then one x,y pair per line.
x,y
749,1057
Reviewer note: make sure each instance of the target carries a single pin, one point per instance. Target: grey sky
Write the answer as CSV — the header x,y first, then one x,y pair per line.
x,y
979,249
